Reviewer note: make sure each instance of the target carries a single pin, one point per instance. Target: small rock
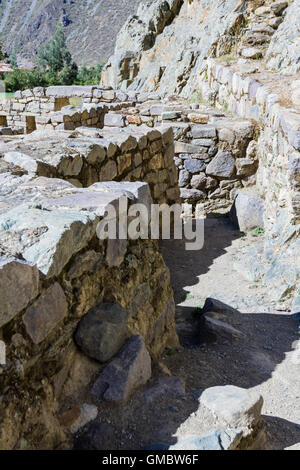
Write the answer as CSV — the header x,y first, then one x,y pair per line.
x,y
278,7
245,166
183,178
199,181
192,195
247,212
198,118
251,53
45,313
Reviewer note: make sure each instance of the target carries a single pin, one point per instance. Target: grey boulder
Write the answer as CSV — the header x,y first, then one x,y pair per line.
x,y
102,331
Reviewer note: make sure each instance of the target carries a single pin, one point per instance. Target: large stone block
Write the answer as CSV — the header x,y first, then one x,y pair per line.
x,y
238,407
102,331
69,91
222,165
19,284
46,313
114,120
247,212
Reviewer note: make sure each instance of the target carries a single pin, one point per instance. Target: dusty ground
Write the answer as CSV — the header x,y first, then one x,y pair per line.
x,y
262,357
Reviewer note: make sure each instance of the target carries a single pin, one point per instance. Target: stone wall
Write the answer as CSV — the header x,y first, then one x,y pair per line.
x,y
215,154
65,271
84,157
278,143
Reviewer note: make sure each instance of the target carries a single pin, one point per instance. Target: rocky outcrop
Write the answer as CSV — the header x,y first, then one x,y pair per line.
x,y
193,31
283,52
187,30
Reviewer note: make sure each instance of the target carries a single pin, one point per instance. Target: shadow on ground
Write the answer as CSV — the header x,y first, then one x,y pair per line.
x,y
255,357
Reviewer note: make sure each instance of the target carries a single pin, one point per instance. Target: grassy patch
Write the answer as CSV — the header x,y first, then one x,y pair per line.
x,y
257,231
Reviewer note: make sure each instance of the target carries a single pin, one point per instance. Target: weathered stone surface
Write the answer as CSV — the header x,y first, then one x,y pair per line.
x,y
164,387
184,178
222,165
251,53
194,165
240,408
19,284
245,166
114,120
183,147
204,132
247,213
116,250
198,118
45,313
228,439
130,369
283,51
192,195
77,417
278,7
296,305
158,23
69,91
86,262
102,331
87,414
199,181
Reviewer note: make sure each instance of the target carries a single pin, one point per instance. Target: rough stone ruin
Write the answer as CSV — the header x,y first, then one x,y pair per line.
x,y
199,104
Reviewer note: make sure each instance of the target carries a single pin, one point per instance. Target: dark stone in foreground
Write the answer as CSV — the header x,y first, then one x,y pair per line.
x,y
102,331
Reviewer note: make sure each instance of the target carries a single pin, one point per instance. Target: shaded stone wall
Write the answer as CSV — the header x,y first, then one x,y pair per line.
x,y
66,270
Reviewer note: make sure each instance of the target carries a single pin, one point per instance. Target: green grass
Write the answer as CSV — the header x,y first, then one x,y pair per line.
x,y
257,231
7,95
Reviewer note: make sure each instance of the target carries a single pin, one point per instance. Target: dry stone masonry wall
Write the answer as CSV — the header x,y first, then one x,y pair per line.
x,y
53,272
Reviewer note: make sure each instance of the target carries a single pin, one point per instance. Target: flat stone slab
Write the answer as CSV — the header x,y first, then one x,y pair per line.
x,y
130,369
19,284
45,313
238,407
48,219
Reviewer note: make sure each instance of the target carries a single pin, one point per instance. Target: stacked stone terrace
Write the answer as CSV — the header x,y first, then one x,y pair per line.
x,y
212,152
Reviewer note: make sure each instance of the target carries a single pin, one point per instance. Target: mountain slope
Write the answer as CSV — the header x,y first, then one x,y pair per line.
x,y
90,26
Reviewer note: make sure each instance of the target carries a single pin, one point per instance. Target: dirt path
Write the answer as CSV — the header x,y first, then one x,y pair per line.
x,y
263,357
260,355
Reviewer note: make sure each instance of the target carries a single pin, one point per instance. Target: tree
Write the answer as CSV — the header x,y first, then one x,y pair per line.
x,y
13,59
2,55
56,59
